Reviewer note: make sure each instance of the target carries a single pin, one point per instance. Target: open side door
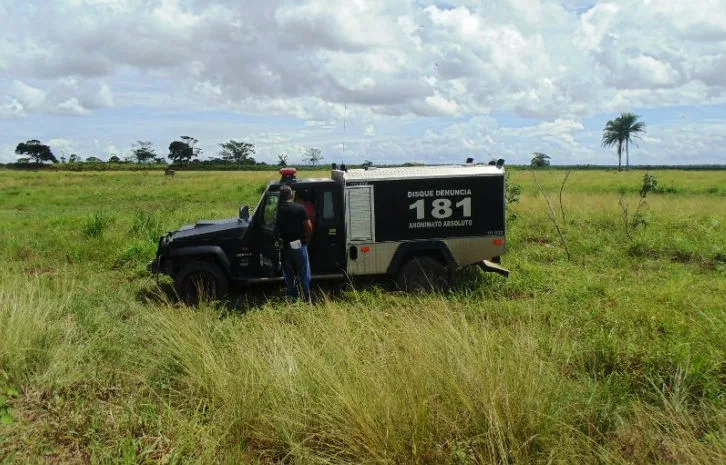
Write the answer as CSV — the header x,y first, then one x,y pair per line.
x,y
269,245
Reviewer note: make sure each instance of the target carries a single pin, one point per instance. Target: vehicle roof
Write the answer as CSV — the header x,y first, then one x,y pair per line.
x,y
418,172
302,181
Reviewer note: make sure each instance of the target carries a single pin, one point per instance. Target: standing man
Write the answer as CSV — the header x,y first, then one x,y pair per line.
x,y
295,229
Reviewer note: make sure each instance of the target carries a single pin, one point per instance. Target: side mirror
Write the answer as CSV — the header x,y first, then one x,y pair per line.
x,y
244,213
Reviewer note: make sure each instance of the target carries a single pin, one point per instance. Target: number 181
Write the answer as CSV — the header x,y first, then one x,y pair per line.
x,y
441,208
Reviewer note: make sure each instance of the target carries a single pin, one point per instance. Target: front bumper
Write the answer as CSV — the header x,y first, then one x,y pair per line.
x,y
153,266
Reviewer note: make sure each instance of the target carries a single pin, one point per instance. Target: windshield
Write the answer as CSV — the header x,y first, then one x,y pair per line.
x,y
268,216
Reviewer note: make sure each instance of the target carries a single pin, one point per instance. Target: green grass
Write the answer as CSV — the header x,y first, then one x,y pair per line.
x,y
615,356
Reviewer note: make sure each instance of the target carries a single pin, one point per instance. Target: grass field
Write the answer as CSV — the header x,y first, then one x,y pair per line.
x,y
615,356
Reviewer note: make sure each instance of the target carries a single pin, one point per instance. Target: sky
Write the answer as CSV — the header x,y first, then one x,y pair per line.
x,y
388,81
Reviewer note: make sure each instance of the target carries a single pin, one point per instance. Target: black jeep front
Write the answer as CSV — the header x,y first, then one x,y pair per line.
x,y
208,237
210,255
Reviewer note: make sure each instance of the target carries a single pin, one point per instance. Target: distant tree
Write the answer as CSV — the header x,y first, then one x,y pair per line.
x,y
114,159
282,159
159,160
621,132
36,151
143,151
192,142
74,158
367,163
237,152
62,159
182,151
540,160
313,156
93,160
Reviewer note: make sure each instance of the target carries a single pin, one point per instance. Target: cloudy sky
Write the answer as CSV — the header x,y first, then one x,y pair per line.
x,y
384,80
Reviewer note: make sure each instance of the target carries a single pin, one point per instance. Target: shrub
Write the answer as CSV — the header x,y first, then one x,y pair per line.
x,y
147,226
96,223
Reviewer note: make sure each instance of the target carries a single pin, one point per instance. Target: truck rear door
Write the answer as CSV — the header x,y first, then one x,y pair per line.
x,y
327,250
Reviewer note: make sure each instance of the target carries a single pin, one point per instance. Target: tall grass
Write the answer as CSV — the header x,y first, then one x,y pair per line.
x,y
348,384
37,332
96,223
147,226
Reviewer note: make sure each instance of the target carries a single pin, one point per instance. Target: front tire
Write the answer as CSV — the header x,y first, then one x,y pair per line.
x,y
200,281
423,274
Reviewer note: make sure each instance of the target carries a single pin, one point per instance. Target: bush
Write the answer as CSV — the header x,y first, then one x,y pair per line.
x,y
147,226
96,223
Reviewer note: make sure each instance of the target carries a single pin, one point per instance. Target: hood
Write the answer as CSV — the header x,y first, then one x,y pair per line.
x,y
211,228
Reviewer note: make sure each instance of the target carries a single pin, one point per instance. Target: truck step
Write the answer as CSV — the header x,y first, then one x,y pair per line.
x,y
492,267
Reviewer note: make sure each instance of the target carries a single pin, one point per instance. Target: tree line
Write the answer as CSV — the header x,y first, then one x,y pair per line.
x,y
619,133
181,152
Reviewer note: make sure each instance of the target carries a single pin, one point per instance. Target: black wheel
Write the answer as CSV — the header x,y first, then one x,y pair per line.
x,y
423,274
200,281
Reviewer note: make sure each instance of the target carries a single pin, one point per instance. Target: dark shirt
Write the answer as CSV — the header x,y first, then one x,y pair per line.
x,y
290,219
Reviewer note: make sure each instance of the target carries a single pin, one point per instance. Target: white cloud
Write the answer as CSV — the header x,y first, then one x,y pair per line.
x,y
533,58
675,144
62,147
71,107
11,109
64,96
367,61
653,72
32,97
440,106
596,25
559,131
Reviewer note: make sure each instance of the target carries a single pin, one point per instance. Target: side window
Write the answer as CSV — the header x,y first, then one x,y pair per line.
x,y
328,207
269,213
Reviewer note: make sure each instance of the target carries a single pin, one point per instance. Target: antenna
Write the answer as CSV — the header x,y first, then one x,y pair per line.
x,y
345,118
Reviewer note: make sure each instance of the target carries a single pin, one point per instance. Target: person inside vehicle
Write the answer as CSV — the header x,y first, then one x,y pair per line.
x,y
306,199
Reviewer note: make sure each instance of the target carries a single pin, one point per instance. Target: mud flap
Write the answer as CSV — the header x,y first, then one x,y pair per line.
x,y
492,267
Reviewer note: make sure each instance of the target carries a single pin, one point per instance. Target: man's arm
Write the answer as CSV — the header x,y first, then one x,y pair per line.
x,y
308,230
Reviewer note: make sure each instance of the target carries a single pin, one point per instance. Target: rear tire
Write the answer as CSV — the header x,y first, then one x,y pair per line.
x,y
200,281
423,274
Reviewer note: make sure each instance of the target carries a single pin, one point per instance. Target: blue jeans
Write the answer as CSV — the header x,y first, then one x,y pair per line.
x,y
295,263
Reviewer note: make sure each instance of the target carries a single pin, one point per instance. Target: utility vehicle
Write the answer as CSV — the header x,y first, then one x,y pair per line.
x,y
418,224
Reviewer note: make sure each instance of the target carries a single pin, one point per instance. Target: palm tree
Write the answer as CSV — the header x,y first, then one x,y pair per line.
x,y
622,131
611,136
631,129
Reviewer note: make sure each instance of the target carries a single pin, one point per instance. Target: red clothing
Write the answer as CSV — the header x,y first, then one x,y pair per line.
x,y
310,207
